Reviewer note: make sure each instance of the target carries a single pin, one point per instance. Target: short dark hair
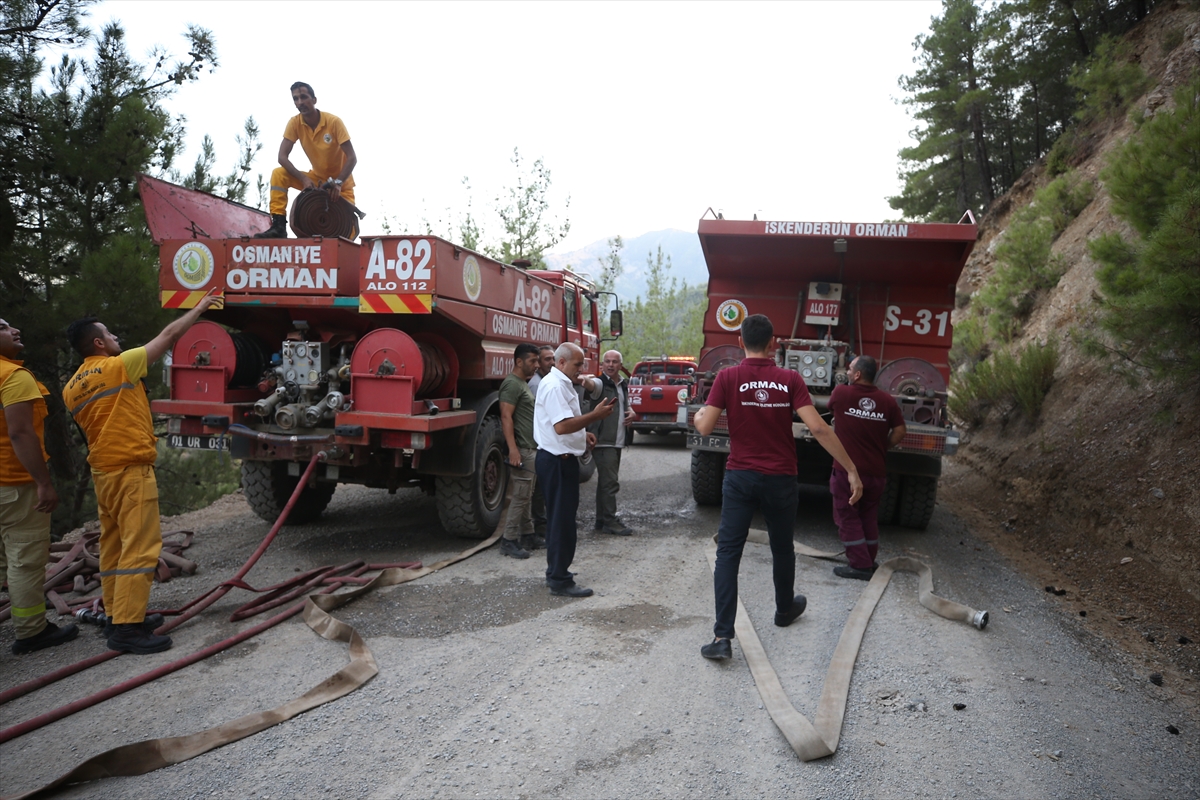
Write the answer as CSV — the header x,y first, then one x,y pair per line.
x,y
524,350
308,86
868,366
81,333
757,331
549,347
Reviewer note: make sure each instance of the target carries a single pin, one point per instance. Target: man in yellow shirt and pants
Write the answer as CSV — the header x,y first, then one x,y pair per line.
x,y
108,399
326,142
27,498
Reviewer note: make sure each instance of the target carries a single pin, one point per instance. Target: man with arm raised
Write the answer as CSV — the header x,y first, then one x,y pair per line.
x,y
107,397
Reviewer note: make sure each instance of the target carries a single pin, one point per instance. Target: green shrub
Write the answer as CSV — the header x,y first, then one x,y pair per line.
x,y
1006,382
1108,82
1023,267
192,479
1172,39
1151,284
970,344
1062,200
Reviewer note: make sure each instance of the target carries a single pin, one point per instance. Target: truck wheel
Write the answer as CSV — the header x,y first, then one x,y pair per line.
x,y
470,507
708,472
918,495
587,469
267,487
887,503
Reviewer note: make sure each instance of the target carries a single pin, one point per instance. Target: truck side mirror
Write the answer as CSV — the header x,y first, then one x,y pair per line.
x,y
616,322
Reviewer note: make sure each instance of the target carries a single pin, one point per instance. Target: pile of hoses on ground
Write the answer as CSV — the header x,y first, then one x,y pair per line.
x,y
71,571
314,213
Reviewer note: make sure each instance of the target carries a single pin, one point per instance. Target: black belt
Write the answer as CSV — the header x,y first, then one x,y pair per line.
x,y
564,456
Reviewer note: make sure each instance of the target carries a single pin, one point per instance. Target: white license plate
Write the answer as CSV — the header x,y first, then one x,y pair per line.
x,y
201,442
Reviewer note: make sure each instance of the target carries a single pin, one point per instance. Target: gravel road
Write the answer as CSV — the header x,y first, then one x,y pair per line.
x,y
490,687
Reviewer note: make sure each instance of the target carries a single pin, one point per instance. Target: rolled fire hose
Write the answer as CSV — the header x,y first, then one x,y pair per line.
x,y
314,214
816,740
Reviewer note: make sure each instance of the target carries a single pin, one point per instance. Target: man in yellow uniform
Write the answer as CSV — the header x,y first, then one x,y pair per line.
x,y
326,142
108,399
26,499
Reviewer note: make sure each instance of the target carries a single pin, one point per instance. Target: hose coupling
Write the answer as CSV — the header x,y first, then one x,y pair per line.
x,y
980,620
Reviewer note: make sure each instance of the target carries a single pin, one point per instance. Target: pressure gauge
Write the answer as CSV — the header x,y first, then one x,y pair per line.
x,y
821,373
291,375
808,359
301,351
822,359
312,376
806,372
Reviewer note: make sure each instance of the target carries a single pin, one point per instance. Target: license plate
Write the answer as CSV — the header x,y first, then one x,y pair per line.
x,y
708,442
202,442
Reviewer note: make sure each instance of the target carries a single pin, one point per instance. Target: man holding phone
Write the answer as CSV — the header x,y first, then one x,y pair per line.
x,y
559,430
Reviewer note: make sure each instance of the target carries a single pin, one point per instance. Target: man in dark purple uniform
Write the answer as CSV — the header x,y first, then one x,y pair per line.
x,y
760,474
867,421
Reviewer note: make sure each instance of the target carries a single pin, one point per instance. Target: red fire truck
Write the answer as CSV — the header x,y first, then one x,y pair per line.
x,y
657,386
835,290
385,354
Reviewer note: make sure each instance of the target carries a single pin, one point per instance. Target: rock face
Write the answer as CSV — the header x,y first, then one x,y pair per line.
x,y
1108,471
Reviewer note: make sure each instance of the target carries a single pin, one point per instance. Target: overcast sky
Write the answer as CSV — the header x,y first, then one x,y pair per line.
x,y
645,113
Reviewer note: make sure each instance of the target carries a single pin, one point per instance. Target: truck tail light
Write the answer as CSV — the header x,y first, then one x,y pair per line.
x,y
930,443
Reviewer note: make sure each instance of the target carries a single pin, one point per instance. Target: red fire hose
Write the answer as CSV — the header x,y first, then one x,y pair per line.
x,y
191,610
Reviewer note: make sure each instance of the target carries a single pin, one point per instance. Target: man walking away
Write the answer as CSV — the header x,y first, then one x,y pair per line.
x,y
867,421
559,429
760,474
107,397
27,498
610,439
516,418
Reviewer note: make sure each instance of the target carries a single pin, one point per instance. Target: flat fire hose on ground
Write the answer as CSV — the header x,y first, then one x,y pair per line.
x,y
816,740
139,758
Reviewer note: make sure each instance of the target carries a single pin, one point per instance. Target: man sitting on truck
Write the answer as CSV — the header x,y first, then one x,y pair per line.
x,y
559,427
326,142
516,418
760,474
867,421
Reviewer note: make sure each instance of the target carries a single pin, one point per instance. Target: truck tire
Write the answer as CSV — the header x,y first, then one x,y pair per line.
x,y
586,469
889,501
918,495
708,473
267,487
470,507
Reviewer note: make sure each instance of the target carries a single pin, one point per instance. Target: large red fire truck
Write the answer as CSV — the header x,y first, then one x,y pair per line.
x,y
385,354
835,290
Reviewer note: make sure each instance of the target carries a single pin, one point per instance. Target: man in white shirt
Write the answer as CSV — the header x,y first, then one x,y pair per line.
x,y
559,430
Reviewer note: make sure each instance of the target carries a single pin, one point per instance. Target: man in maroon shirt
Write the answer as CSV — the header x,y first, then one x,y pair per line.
x,y
760,474
867,421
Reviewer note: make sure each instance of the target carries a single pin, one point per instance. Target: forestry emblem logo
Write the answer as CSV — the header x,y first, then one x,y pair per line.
x,y
193,265
731,314
472,278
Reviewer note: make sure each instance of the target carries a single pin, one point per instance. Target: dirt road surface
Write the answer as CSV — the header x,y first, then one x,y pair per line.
x,y
490,687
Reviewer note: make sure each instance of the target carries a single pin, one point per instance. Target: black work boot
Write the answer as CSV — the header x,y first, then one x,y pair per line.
x,y
510,547
49,636
134,638
152,622
278,229
531,541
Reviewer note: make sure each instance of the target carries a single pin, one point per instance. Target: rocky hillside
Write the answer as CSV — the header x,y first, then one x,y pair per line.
x,y
1101,495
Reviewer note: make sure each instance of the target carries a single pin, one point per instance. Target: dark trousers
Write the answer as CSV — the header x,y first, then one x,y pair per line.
x,y
858,524
559,479
608,468
537,508
743,493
